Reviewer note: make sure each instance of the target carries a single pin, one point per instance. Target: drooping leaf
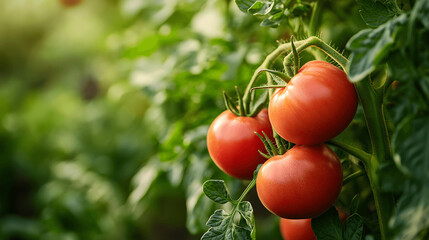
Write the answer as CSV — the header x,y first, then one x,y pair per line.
x,y
370,47
328,226
246,211
421,9
217,191
411,141
354,227
375,13
261,7
218,223
244,5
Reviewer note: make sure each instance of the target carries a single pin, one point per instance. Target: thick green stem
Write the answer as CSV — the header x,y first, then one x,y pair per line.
x,y
381,150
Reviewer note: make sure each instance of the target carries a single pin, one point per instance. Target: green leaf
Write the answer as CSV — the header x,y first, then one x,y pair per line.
x,y
375,13
246,211
422,10
300,9
354,204
273,21
370,47
218,223
222,227
260,8
217,191
328,226
411,141
244,5
198,207
354,227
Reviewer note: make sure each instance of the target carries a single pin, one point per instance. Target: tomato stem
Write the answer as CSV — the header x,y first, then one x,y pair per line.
x,y
229,104
296,64
285,78
359,153
353,176
242,109
269,60
266,87
381,149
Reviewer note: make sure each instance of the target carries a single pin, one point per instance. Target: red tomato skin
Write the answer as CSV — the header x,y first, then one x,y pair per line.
x,y
233,144
302,183
317,104
296,229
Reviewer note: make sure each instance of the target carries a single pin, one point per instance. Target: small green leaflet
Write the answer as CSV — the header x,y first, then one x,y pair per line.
x,y
369,47
244,5
411,141
237,225
217,191
354,228
328,226
223,227
256,7
375,13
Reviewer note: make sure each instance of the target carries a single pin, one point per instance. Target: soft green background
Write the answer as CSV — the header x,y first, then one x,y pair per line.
x,y
104,109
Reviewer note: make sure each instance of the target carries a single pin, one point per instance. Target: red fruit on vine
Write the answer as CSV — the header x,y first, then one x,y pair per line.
x,y
296,229
300,229
316,105
302,183
233,144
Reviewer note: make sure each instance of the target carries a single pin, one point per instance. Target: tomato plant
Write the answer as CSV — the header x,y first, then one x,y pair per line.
x,y
296,229
302,183
233,145
316,105
117,97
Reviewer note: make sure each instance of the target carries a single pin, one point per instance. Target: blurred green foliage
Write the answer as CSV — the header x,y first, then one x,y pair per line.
x,y
104,109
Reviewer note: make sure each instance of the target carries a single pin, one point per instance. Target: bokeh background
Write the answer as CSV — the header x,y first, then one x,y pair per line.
x,y
104,108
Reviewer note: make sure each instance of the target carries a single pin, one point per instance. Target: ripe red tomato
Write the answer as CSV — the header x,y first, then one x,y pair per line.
x,y
302,183
233,144
300,229
69,3
317,104
296,229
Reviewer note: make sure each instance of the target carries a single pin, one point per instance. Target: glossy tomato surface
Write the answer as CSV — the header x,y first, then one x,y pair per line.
x,y
317,104
302,183
296,229
233,144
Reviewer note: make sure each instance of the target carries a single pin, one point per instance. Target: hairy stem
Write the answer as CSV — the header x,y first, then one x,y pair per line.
x,y
269,60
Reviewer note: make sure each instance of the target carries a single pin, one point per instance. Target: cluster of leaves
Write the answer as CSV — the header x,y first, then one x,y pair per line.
x,y
398,38
275,13
223,225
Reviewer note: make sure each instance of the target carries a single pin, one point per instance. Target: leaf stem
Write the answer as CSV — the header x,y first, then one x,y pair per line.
x,y
359,153
353,176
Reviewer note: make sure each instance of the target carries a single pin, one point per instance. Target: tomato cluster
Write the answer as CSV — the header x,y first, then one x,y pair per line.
x,y
233,144
317,104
